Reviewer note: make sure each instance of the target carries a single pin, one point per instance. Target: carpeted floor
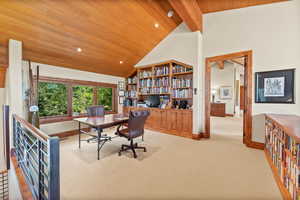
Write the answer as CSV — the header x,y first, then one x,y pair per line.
x,y
173,168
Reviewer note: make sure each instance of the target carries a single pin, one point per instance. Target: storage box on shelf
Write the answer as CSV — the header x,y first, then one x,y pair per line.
x,y
282,148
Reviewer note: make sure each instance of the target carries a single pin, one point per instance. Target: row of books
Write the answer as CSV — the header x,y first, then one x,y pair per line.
x,y
180,83
162,70
161,82
132,80
131,93
179,69
145,74
160,90
285,153
182,93
146,83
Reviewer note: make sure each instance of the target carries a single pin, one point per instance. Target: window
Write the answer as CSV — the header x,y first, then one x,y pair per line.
x,y
62,99
105,98
52,99
83,97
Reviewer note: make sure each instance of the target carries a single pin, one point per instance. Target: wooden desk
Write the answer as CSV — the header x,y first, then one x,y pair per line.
x,y
217,109
99,123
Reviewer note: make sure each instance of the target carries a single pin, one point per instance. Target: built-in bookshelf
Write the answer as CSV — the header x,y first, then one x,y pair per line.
x,y
131,88
282,148
171,80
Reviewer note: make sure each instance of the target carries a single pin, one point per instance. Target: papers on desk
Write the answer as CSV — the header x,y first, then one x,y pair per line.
x,y
122,118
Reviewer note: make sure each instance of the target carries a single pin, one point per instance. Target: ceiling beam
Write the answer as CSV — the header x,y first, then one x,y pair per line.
x,y
190,12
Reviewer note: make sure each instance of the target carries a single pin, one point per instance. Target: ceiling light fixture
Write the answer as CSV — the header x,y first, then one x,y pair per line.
x,y
79,50
156,25
170,13
121,62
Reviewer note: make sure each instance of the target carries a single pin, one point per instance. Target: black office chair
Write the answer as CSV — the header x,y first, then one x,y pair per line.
x,y
97,111
135,129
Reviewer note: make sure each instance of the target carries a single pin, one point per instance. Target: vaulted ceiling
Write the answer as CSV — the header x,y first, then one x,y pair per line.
x,y
107,31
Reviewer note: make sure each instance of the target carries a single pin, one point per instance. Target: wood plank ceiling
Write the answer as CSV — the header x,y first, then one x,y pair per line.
x,y
107,31
208,6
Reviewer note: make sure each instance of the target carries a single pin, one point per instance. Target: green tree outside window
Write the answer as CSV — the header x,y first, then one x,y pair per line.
x,y
82,99
52,99
105,98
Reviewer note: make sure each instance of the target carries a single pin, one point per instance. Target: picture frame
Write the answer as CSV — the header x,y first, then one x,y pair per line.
x,y
275,86
226,92
121,100
121,85
121,93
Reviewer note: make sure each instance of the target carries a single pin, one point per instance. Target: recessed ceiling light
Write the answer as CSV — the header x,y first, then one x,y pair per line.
x,y
79,50
170,13
121,62
156,25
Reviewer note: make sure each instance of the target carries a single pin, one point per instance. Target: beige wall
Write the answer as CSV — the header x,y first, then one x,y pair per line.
x,y
185,46
60,72
273,33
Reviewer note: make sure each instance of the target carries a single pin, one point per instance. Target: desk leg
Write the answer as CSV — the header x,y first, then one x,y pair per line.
x,y
99,131
79,132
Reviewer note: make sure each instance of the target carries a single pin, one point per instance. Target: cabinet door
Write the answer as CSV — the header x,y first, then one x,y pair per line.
x,y
187,123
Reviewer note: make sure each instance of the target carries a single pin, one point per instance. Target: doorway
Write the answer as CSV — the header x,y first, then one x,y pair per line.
x,y
246,56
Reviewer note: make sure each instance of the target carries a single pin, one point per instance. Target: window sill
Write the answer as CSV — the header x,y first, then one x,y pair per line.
x,y
48,120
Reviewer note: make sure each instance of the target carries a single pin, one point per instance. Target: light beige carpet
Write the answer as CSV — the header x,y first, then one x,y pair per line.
x,y
173,168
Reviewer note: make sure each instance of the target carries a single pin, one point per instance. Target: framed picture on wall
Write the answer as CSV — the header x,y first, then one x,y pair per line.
x,y
226,92
275,86
121,85
121,100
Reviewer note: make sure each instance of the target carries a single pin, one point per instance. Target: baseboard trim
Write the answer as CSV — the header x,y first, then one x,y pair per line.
x,y
229,115
255,145
69,133
197,136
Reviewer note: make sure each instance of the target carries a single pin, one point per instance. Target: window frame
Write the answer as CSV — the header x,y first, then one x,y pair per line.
x,y
69,83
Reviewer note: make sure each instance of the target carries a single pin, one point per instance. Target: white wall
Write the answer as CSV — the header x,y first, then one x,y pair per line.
x,y
185,46
273,33
224,77
60,72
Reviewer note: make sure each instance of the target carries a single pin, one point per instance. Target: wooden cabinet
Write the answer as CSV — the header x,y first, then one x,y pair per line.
x,y
217,109
170,121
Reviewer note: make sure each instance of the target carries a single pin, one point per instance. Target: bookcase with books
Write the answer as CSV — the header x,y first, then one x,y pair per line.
x,y
171,80
282,149
131,88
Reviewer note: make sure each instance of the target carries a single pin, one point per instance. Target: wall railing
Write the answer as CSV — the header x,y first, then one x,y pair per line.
x,y
38,156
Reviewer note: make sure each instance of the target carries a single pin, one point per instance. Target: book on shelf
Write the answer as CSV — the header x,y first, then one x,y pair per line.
x,y
145,74
182,93
284,153
179,69
161,70
146,83
132,80
161,82
181,83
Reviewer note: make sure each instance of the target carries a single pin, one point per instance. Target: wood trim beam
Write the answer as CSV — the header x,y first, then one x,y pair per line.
x,y
247,120
237,62
220,64
190,12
